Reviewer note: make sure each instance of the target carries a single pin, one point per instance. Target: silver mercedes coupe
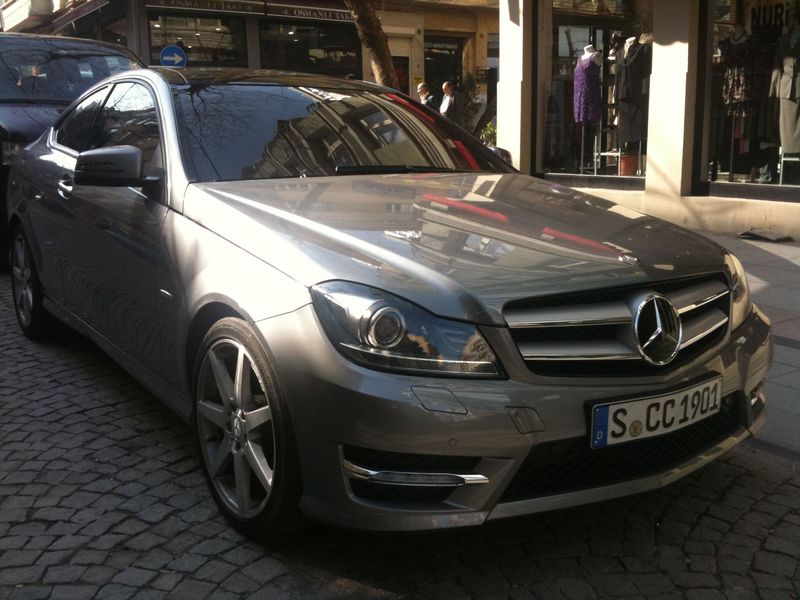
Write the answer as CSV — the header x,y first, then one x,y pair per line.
x,y
367,316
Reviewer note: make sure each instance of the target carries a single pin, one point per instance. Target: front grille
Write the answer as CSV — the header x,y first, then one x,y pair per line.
x,y
590,334
405,494
571,465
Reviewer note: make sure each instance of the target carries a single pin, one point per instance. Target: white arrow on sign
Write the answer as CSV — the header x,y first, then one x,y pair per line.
x,y
173,58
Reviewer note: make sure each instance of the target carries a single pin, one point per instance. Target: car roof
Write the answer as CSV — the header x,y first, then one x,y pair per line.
x,y
221,75
10,40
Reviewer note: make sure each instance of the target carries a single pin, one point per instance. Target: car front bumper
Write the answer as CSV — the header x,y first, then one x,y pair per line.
x,y
369,441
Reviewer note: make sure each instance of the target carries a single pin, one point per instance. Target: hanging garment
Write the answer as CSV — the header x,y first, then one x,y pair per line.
x,y
738,59
586,86
631,91
785,86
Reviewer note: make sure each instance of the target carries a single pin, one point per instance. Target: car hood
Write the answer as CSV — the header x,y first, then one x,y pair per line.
x,y
26,122
461,245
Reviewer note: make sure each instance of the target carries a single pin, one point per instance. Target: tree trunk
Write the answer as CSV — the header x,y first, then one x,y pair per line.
x,y
371,34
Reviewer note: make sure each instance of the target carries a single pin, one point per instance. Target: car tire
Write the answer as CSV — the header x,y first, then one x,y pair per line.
x,y
244,433
26,288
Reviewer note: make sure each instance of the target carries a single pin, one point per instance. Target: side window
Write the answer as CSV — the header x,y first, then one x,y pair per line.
x,y
129,118
74,129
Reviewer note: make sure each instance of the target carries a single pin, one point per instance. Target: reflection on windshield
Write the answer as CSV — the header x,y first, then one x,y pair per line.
x,y
54,71
257,131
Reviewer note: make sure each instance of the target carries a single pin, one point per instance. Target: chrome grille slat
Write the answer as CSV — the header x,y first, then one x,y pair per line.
x,y
694,297
585,333
605,313
572,351
696,329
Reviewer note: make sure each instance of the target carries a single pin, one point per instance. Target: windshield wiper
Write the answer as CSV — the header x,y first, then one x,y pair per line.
x,y
390,169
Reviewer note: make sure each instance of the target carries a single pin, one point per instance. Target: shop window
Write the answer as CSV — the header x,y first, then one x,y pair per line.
x,y
597,7
597,107
754,130
328,49
207,41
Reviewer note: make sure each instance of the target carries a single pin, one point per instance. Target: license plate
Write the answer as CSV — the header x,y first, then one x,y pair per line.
x,y
620,422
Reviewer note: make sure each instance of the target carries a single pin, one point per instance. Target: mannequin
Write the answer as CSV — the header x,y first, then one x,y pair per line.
x,y
586,91
586,97
634,62
786,87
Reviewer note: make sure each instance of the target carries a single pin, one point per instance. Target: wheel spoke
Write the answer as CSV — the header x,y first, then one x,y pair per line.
x,y
255,456
221,458
257,418
213,413
222,378
241,473
243,393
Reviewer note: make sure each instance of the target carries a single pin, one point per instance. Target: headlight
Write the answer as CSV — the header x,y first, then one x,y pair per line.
x,y
11,150
741,305
380,331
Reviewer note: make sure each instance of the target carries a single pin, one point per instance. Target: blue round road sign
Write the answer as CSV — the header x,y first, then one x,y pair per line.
x,y
173,56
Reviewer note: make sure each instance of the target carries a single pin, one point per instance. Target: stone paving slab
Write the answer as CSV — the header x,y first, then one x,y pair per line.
x,y
101,497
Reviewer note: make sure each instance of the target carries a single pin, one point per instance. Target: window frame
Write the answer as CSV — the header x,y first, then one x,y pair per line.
x,y
53,144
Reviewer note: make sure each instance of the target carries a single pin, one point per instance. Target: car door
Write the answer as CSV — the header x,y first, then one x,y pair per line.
x,y
53,215
116,239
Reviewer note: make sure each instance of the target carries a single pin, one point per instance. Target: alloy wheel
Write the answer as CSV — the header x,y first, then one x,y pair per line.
x,y
22,276
236,428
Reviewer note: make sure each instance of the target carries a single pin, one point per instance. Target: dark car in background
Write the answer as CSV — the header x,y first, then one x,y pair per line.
x,y
39,76
368,317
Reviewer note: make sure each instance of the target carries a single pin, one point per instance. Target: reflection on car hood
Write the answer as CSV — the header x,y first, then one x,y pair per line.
x,y
461,245
26,122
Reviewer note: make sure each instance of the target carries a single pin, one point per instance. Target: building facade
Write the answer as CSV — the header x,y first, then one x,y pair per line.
x,y
685,109
435,41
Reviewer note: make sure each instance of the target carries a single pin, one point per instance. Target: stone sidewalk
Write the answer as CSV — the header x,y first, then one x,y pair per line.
x,y
101,496
774,274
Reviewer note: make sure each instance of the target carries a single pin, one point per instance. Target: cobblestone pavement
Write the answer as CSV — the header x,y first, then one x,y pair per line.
x,y
101,497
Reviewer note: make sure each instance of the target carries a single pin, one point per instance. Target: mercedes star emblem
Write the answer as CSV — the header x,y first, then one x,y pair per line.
x,y
658,330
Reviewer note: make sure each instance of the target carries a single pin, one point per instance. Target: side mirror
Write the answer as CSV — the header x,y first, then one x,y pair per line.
x,y
502,153
115,166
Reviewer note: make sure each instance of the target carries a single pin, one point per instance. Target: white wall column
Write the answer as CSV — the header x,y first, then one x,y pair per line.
x,y
673,97
515,87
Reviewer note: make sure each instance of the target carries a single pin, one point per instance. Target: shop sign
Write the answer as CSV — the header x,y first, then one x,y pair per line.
x,y
771,14
222,6
308,12
442,45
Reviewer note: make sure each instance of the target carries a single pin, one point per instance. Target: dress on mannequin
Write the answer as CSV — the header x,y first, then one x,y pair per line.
x,y
634,63
586,96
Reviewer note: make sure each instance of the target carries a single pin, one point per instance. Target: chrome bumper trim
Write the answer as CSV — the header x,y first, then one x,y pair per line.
x,y
412,478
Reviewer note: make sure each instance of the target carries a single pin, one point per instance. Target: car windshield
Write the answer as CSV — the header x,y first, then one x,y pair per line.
x,y
236,131
51,71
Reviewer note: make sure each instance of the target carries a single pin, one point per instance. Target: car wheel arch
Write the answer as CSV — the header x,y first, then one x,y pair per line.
x,y
204,318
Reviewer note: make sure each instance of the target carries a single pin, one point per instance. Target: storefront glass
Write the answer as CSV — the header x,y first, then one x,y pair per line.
x,y
754,133
324,48
207,41
596,110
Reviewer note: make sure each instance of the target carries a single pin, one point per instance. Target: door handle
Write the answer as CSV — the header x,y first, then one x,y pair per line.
x,y
65,186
